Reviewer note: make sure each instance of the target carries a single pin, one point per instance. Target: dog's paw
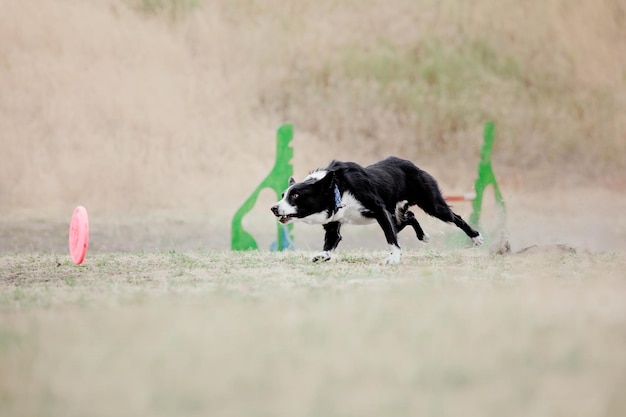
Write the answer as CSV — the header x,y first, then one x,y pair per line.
x,y
478,240
322,256
425,238
394,256
392,259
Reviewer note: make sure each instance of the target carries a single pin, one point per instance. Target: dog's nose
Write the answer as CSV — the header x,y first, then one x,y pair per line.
x,y
275,210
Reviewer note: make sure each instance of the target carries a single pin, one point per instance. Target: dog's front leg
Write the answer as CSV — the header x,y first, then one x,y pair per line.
x,y
384,220
331,240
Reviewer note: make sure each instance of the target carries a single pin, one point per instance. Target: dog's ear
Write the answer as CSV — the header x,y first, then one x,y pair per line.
x,y
328,180
291,181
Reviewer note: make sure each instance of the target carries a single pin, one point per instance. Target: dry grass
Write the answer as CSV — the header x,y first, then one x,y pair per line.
x,y
257,334
137,105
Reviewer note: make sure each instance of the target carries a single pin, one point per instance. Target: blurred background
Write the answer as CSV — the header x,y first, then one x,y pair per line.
x,y
137,106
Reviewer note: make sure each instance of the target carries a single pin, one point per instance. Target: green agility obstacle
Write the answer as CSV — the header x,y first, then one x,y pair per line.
x,y
277,180
486,177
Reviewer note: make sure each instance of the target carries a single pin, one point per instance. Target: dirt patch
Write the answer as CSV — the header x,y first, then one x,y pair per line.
x,y
584,220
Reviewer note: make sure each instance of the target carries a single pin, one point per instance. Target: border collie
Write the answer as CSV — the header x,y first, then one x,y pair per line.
x,y
347,193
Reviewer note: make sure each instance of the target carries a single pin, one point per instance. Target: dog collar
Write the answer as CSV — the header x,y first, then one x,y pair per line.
x,y
338,204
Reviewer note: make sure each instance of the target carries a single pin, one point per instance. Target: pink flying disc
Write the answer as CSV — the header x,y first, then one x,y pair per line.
x,y
79,235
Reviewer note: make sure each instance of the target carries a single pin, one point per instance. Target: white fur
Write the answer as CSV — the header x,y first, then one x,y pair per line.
x,y
316,218
350,212
478,240
286,209
322,256
399,208
317,175
394,257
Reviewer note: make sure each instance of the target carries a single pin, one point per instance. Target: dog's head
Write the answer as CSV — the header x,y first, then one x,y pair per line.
x,y
311,200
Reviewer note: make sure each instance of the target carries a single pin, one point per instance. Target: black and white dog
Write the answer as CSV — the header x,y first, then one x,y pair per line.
x,y
347,193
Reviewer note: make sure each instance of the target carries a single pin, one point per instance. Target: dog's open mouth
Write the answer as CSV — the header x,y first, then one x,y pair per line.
x,y
285,219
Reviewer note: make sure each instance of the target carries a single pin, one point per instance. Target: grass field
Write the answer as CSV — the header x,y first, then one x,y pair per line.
x,y
445,333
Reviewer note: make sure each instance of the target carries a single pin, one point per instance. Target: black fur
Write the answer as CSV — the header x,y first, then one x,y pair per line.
x,y
383,191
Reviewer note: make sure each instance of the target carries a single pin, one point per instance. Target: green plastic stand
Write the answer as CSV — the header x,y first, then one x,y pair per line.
x,y
277,180
486,177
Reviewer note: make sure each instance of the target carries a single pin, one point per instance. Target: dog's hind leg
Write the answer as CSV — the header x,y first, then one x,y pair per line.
x,y
444,212
428,197
404,217
438,208
476,237
331,240
410,220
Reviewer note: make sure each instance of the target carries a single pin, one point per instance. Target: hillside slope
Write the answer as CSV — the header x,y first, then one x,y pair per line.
x,y
108,104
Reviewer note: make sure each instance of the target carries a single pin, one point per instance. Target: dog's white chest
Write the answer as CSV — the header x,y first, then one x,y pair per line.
x,y
351,211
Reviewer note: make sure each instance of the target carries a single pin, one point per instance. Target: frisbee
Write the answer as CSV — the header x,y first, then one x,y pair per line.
x,y
79,235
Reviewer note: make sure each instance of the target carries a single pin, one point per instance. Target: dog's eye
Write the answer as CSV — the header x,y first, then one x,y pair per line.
x,y
295,196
